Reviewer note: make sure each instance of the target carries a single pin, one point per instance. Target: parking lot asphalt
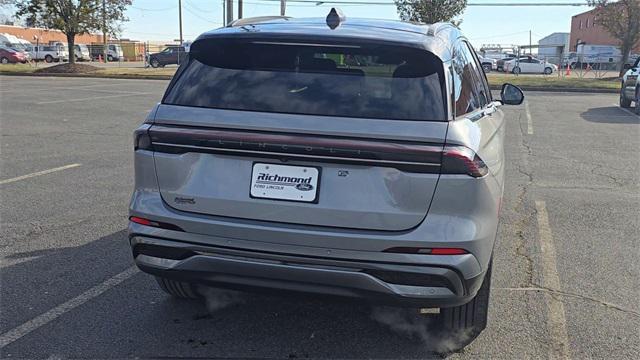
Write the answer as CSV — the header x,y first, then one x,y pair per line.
x,y
566,272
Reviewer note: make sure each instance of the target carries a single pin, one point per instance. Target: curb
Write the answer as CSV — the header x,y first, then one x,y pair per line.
x,y
169,77
94,76
562,89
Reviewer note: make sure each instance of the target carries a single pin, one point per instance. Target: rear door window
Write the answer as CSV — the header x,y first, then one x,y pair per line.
x,y
351,80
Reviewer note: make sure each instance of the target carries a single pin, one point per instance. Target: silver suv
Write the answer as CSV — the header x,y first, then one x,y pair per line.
x,y
357,158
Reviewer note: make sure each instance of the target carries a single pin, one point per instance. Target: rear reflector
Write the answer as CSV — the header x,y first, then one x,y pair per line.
x,y
427,251
147,222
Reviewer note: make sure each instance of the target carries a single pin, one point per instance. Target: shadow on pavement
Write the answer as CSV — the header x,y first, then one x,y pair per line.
x,y
135,319
610,115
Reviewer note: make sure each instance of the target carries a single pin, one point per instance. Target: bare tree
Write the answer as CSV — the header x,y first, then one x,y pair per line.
x,y
73,17
622,20
430,11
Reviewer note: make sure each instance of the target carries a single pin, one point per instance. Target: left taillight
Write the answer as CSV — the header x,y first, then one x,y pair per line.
x,y
141,138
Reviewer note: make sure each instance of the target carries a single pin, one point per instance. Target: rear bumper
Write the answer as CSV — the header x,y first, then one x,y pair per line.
x,y
372,281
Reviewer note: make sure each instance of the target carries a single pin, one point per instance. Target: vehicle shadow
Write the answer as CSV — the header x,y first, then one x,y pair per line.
x,y
610,115
141,321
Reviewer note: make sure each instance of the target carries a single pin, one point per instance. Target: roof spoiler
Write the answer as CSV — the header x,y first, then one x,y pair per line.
x,y
255,20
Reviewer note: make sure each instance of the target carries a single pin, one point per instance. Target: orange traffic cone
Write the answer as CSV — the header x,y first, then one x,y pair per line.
x,y
568,73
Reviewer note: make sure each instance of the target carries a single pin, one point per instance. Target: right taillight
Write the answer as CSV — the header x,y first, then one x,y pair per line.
x,y
462,160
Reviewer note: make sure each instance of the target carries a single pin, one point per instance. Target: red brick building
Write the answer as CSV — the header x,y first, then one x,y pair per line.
x,y
47,36
585,29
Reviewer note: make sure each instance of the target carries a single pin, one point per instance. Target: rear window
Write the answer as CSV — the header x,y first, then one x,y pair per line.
x,y
386,82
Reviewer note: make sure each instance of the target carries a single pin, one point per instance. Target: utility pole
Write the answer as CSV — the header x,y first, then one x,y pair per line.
x,y
239,9
224,12
530,48
229,12
180,19
105,51
283,7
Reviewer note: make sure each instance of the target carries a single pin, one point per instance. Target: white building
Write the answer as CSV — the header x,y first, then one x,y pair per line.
x,y
554,46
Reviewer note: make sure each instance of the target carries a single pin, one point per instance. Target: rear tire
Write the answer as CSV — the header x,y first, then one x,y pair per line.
x,y
154,63
178,289
624,102
462,324
48,59
516,70
548,71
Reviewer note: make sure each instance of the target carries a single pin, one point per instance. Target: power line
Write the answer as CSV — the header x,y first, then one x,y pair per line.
x,y
387,3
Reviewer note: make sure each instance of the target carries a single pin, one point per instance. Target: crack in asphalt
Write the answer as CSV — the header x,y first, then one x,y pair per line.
x,y
594,171
557,294
520,208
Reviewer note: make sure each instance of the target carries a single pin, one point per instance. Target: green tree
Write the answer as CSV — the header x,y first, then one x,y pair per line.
x,y
74,17
622,20
430,11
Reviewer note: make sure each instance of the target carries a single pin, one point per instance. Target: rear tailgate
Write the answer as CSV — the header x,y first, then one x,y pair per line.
x,y
200,170
342,135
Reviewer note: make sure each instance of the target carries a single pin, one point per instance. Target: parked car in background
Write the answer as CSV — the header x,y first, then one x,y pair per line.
x,y
170,55
488,64
48,53
500,62
381,194
9,55
114,52
529,65
630,89
81,52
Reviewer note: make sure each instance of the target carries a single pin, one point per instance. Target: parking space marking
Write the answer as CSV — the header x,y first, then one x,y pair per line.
x,y
43,319
556,320
529,121
93,98
625,110
43,172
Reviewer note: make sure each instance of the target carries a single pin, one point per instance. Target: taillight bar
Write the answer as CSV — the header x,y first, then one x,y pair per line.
x,y
406,156
423,157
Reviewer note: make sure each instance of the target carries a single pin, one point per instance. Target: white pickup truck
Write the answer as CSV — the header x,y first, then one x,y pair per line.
x,y
48,53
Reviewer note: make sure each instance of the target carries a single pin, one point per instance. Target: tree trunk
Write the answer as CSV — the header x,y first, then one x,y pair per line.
x,y
626,48
71,42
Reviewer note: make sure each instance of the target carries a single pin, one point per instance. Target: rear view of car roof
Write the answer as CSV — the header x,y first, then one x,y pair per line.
x,y
435,38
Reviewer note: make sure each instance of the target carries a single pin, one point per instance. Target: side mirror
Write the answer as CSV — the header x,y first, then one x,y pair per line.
x,y
511,95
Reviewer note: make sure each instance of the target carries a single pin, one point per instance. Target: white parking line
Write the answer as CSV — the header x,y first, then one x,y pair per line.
x,y
556,321
92,98
625,110
43,319
43,172
529,121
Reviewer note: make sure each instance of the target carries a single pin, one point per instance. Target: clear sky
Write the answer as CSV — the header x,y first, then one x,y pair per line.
x,y
157,20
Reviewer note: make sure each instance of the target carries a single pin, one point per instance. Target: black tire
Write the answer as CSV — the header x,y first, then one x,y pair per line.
x,y
464,323
48,59
109,58
516,70
486,67
154,63
178,289
548,71
4,60
638,101
624,102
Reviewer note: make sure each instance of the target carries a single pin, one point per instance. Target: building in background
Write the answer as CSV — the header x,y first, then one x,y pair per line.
x,y
553,47
46,36
584,29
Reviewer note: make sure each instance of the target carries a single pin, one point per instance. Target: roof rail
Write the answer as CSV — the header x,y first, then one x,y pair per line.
x,y
435,28
255,20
